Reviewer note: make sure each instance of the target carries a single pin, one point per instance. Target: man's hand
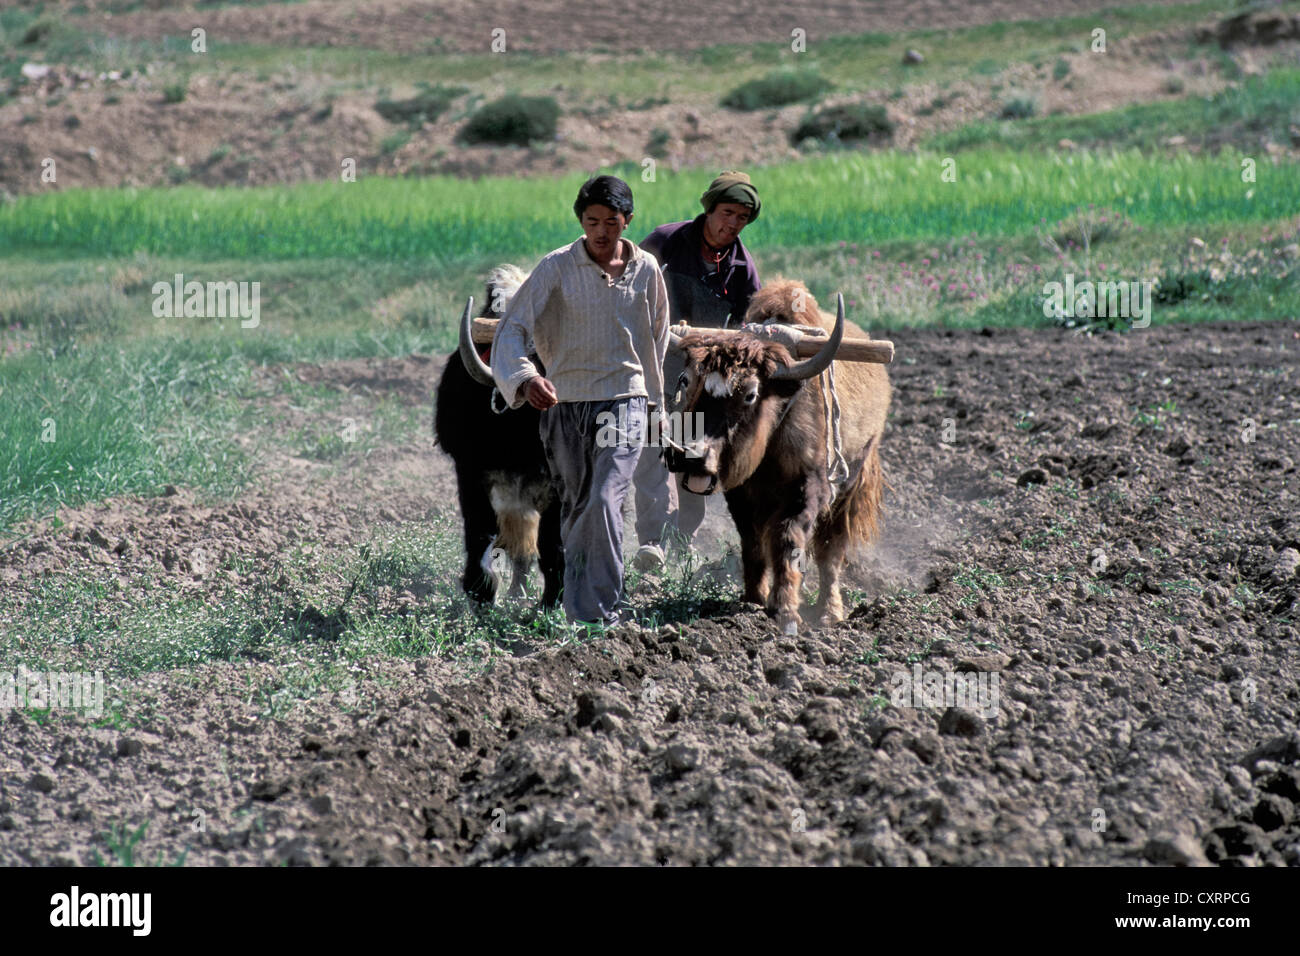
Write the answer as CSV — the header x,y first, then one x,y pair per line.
x,y
540,393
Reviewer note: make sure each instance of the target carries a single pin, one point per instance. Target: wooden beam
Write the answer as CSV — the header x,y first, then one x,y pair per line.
x,y
879,351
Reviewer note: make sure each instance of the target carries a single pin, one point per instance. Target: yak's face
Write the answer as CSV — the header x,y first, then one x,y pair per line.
x,y
726,408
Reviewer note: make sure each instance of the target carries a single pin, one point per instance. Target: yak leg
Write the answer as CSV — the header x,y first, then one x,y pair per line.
x,y
830,561
753,556
788,552
785,552
518,575
480,528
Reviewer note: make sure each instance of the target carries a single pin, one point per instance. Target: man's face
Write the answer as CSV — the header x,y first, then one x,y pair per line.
x,y
723,225
603,227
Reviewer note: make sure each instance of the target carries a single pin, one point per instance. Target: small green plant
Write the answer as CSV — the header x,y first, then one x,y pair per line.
x,y
778,88
391,144
513,120
122,843
1061,69
1174,85
39,30
877,702
657,145
424,107
849,122
869,657
175,92
1018,107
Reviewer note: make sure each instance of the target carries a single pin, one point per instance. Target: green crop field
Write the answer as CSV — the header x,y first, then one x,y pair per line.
x,y
862,198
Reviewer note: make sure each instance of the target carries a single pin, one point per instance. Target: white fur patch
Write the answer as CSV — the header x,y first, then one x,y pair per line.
x,y
716,385
503,282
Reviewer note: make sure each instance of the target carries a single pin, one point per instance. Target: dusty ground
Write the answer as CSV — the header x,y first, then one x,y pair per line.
x,y
1097,534
235,129
464,26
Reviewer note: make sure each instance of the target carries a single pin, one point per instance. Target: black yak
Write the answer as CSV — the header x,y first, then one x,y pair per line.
x,y
509,508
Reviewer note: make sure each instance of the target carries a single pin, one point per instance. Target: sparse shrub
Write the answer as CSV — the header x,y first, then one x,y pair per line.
x,y
1018,107
1174,85
391,144
849,122
650,102
1061,70
657,145
425,106
112,99
1089,227
71,122
938,103
778,88
39,30
177,174
513,119
175,92
219,153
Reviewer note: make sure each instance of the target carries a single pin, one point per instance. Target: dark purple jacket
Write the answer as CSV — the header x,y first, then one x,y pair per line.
x,y
715,300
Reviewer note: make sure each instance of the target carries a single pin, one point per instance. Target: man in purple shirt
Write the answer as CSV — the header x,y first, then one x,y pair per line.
x,y
710,277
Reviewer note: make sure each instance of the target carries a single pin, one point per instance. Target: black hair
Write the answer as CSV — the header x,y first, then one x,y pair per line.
x,y
604,191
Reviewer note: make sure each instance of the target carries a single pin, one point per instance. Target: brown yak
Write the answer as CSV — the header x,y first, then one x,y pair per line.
x,y
763,437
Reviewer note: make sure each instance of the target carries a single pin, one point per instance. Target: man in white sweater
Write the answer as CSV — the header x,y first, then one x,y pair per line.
x,y
596,313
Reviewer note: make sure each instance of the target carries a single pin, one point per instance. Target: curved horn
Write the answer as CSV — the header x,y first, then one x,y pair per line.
x,y
819,362
476,367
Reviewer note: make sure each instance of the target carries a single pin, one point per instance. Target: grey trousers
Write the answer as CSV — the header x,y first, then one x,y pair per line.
x,y
593,482
663,507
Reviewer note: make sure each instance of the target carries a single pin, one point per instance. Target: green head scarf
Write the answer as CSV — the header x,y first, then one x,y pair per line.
x,y
732,186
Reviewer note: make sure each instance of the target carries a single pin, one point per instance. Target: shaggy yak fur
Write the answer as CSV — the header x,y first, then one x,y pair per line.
x,y
507,502
765,446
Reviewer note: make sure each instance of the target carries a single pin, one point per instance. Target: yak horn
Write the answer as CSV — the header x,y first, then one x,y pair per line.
x,y
810,367
476,367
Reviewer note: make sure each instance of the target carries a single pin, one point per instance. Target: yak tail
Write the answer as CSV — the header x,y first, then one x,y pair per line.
x,y
517,520
854,518
518,533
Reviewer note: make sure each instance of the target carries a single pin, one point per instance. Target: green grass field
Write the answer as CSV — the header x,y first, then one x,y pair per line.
x,y
441,220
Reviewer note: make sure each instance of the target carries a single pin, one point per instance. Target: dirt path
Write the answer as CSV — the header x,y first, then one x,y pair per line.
x,y
1097,535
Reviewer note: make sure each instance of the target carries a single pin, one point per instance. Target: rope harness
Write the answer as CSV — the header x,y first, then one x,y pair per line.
x,y
837,469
